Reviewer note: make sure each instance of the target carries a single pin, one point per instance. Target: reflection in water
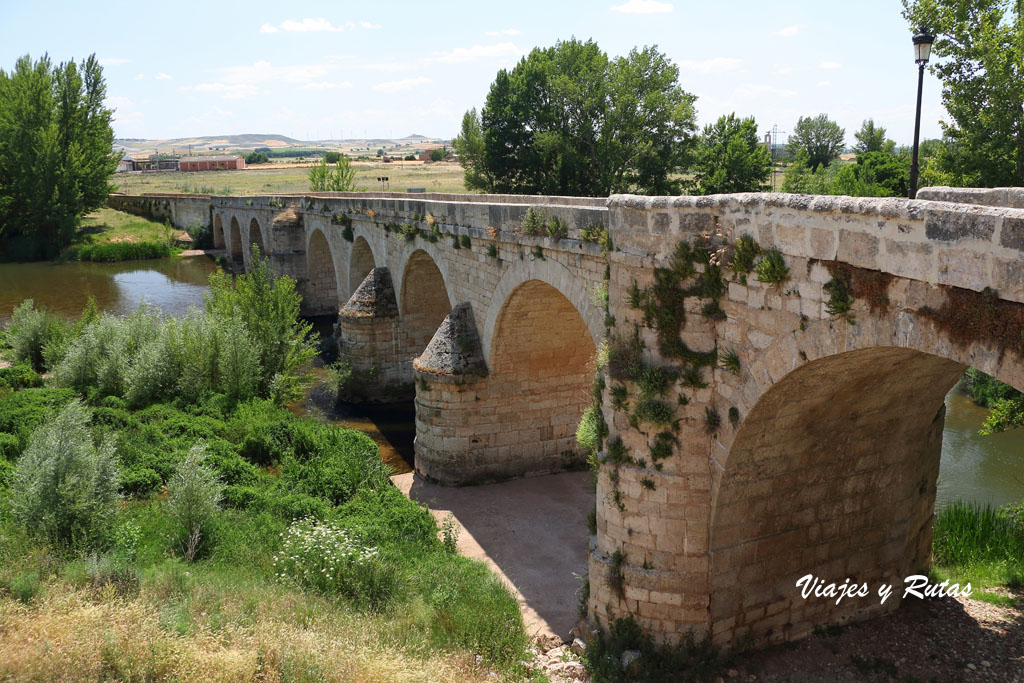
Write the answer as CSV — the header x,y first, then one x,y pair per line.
x,y
984,469
173,284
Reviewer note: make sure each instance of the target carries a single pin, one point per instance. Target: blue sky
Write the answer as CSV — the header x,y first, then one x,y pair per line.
x,y
318,70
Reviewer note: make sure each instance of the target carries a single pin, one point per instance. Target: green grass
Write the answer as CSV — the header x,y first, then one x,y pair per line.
x,y
980,545
110,252
108,236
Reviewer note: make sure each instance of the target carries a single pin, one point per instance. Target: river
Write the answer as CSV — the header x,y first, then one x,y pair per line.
x,y
986,469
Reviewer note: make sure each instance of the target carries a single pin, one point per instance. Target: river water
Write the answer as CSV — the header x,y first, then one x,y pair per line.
x,y
986,469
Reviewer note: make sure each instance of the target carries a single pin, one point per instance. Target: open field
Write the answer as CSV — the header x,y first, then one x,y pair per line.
x,y
283,178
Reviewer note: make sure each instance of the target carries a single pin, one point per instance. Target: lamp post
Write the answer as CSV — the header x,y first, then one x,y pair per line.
x,y
922,51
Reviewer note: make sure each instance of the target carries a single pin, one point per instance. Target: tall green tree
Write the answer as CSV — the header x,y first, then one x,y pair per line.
x,y
567,120
56,153
871,138
819,136
981,49
340,178
731,158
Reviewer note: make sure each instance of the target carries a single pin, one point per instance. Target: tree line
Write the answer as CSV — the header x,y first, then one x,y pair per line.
x,y
56,153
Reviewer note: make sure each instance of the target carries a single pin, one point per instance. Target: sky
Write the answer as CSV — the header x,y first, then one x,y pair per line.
x,y
331,70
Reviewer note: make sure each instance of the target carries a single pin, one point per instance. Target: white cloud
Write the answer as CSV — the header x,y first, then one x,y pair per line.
x,y
830,65
325,85
269,28
784,71
139,77
113,61
715,65
789,31
124,110
236,91
824,84
643,7
163,77
404,84
506,32
367,25
469,54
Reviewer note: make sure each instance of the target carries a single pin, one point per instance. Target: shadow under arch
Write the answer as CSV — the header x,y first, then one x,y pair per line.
x,y
237,249
361,262
256,237
218,232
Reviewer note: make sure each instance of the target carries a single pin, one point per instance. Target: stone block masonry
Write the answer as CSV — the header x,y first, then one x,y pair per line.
x,y
757,431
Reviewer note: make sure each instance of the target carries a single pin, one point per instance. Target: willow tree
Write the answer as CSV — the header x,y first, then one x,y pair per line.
x,y
56,153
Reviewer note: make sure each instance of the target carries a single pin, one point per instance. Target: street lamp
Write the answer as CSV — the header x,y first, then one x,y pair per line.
x,y
922,51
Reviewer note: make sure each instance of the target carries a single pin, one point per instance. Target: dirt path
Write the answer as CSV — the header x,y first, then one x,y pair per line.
x,y
532,532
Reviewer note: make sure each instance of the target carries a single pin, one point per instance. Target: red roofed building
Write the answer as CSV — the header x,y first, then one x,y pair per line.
x,y
230,162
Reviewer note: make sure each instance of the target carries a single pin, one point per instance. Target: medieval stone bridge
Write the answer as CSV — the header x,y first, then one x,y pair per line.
x,y
758,422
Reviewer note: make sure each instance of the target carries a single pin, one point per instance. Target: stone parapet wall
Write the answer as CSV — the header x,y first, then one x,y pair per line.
x,y
182,211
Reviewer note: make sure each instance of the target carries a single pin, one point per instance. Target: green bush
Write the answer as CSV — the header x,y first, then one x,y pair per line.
x,y
64,486
32,331
140,482
344,462
20,376
23,411
194,496
986,390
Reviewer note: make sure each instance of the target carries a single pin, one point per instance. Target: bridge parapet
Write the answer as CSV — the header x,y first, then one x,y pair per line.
x,y
944,243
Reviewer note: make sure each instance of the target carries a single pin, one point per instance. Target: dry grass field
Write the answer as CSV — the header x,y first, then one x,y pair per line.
x,y
291,177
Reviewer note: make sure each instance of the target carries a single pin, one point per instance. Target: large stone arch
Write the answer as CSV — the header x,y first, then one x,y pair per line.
x,y
552,273
235,242
218,232
321,296
832,469
423,303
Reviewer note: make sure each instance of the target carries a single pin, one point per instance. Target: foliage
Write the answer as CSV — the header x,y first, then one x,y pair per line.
x,y
986,390
341,178
64,486
967,533
194,495
772,268
56,153
32,331
840,302
730,361
747,249
567,120
323,557
258,158
438,154
820,137
871,138
690,660
109,252
591,430
730,157
977,56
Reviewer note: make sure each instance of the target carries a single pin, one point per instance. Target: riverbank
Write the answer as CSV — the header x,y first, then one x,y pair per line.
x,y
108,236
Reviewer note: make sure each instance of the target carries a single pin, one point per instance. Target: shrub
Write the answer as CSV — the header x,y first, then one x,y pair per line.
x,y
967,533
20,376
30,331
201,235
772,268
23,411
140,482
591,429
10,446
194,495
110,252
64,486
339,463
323,557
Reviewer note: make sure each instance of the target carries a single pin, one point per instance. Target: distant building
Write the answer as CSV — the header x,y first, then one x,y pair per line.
x,y
229,162
125,164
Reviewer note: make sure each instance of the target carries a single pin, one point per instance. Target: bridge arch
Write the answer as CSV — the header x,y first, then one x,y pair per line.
x,y
218,232
832,470
256,237
235,243
423,302
553,274
322,284
361,262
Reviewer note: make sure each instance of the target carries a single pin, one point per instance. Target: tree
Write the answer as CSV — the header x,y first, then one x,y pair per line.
x,y
339,179
56,153
871,138
469,146
438,154
820,137
981,46
730,158
567,120
257,158
332,157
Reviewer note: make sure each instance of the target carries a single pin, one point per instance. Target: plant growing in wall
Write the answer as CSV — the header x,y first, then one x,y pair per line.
x,y
555,229
465,242
492,250
730,361
772,268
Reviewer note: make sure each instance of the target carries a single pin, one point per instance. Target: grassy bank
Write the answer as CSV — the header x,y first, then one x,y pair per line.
x,y
108,236
983,546
206,532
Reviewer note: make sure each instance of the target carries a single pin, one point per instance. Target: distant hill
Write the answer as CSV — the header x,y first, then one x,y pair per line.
x,y
221,144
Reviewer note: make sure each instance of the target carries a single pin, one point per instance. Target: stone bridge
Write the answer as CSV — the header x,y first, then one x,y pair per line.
x,y
763,374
